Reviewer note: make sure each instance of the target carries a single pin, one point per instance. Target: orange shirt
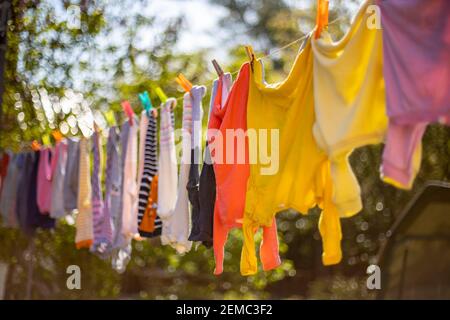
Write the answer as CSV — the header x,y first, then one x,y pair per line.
x,y
229,152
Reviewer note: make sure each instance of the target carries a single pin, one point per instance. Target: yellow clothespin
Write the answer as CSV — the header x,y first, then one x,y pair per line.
x,y
160,93
46,140
322,17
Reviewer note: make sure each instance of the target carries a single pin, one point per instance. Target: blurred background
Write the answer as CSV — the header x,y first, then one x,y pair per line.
x,y
68,62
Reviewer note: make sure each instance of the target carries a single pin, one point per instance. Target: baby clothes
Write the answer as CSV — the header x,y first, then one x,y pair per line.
x,y
231,167
47,165
195,153
130,187
9,192
113,179
121,244
84,224
167,164
416,47
202,220
143,126
176,230
57,209
4,161
70,194
27,208
148,159
349,101
102,221
151,225
298,176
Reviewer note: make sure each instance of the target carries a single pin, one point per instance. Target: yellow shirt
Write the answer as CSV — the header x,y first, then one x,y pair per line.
x,y
349,101
302,179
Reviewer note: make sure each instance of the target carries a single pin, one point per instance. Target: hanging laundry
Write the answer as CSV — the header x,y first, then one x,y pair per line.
x,y
70,187
202,218
167,164
149,167
231,168
176,230
27,208
349,101
4,161
84,223
121,248
130,185
151,225
193,185
9,193
113,178
298,175
416,47
47,166
102,222
57,208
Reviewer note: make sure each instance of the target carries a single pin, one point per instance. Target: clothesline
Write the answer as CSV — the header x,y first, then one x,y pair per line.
x,y
270,54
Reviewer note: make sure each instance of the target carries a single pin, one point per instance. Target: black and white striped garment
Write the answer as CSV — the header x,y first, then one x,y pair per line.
x,y
149,171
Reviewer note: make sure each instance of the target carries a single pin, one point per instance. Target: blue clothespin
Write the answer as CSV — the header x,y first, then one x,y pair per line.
x,y
146,102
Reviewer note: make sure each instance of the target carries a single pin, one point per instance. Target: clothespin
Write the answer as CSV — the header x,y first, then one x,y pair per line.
x,y
322,17
146,102
217,67
160,93
110,117
96,128
250,55
57,135
128,111
36,146
46,140
182,81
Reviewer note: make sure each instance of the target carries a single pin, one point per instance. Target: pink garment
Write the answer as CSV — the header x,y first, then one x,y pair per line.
x,y
416,67
46,168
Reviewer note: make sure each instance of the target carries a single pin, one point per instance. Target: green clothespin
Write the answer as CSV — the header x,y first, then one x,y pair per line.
x,y
146,102
162,96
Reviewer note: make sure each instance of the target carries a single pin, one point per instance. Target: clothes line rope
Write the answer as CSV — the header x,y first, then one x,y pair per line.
x,y
271,53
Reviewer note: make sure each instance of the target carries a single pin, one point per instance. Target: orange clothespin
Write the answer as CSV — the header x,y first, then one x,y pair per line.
x,y
128,111
36,146
250,55
322,17
182,81
57,135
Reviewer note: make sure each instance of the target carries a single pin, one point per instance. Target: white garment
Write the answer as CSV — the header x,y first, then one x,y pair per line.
x,y
176,229
168,167
130,185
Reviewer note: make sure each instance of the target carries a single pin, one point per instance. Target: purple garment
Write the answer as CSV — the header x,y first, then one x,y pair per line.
x,y
416,67
416,59
46,168
102,221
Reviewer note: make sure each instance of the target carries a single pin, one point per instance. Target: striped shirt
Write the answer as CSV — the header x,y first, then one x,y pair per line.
x,y
149,170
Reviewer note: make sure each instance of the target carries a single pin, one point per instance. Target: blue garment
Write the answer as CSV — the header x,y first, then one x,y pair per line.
x,y
71,176
27,209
